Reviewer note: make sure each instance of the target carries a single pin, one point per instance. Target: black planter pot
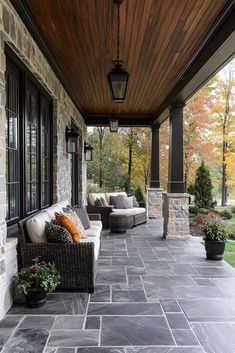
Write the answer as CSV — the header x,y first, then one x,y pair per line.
x,y
35,298
214,250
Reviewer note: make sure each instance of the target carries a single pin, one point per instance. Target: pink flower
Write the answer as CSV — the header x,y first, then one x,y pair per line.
x,y
34,269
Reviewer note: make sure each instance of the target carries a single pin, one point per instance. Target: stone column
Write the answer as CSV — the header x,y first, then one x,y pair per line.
x,y
175,202
8,259
154,203
176,216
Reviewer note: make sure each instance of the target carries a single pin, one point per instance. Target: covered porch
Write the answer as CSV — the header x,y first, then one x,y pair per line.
x,y
152,294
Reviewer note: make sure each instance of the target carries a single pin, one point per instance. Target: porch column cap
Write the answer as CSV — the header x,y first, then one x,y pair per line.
x,y
154,189
176,195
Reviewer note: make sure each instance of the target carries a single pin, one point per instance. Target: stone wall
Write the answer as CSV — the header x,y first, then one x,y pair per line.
x,y
14,34
154,203
176,215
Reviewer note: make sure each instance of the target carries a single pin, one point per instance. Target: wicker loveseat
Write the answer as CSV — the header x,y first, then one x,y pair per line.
x,y
138,213
76,262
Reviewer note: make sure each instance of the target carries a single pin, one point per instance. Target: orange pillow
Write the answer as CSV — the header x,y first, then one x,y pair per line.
x,y
67,223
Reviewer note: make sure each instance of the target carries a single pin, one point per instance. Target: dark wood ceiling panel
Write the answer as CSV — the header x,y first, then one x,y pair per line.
x,y
158,38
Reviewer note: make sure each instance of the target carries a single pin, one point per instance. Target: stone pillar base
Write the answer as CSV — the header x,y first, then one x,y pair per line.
x,y
154,203
176,216
8,268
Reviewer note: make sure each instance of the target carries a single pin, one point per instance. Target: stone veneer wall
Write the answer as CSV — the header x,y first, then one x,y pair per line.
x,y
14,33
176,215
154,203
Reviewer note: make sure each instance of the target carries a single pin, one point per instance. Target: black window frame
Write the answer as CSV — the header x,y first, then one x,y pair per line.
x,y
24,76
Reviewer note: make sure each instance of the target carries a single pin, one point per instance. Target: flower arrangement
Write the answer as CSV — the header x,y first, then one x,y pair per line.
x,y
40,276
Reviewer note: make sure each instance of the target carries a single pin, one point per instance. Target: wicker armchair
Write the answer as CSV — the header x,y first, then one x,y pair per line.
x,y
75,262
103,211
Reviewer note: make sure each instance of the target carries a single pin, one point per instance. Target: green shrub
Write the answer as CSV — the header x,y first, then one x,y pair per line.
x,y
139,194
203,187
231,231
227,214
193,210
233,209
203,210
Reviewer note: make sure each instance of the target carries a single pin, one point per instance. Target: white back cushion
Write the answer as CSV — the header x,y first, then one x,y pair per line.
x,y
94,196
36,227
107,195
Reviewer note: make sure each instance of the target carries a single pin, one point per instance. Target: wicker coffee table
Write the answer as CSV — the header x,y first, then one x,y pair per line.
x,y
119,223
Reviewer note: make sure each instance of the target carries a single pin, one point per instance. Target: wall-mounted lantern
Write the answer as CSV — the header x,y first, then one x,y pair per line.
x,y
72,140
88,150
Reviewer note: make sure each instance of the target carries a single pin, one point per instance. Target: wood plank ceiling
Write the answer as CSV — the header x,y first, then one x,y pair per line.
x,y
158,38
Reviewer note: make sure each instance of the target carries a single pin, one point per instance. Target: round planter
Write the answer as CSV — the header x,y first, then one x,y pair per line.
x,y
36,298
214,250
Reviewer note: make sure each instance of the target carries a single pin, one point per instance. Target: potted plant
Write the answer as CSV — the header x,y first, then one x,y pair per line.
x,y
36,281
215,234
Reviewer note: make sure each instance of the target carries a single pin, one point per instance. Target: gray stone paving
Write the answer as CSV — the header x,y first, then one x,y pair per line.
x,y
152,296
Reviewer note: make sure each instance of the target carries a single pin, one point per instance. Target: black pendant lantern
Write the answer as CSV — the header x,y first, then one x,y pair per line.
x,y
88,149
118,77
113,124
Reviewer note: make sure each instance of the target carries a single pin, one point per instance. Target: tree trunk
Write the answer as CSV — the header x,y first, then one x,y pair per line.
x,y
225,149
130,156
101,137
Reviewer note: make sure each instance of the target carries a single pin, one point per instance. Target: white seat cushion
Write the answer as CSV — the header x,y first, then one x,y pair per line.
x,y
139,210
124,211
96,223
93,232
36,227
96,242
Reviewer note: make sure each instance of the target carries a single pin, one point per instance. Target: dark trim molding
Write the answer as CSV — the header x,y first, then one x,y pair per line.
x,y
26,16
123,120
214,42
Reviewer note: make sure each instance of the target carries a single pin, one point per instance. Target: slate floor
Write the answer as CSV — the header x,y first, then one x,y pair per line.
x,y
152,296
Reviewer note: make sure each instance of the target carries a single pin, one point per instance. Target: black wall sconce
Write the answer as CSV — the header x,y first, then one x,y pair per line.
x,y
88,150
71,136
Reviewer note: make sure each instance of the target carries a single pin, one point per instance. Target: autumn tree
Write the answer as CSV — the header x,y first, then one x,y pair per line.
x,y
223,94
197,121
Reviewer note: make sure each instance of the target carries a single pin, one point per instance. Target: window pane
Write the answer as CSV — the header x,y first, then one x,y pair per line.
x,y
13,131
12,140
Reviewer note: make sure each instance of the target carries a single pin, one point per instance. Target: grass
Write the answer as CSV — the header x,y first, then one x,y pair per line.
x,y
229,254
233,219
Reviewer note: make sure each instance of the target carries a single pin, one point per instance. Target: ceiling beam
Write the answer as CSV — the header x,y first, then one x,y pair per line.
x,y
217,50
123,120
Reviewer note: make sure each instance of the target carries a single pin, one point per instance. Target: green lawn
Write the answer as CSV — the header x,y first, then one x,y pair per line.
x,y
229,254
233,219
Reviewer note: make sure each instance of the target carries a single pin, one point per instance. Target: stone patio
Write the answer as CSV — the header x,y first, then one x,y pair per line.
x,y
152,296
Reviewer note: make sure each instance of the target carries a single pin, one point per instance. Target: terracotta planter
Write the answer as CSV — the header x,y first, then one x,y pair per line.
x,y
36,297
214,250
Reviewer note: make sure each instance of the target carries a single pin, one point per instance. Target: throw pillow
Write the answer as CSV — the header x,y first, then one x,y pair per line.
x,y
118,201
74,217
128,201
81,213
66,222
135,202
104,203
57,234
98,203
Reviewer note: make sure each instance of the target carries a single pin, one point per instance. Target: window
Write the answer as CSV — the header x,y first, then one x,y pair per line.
x,y
28,145
75,172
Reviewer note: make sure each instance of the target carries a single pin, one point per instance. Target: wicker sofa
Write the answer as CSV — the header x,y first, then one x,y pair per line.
x,y
76,262
137,213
